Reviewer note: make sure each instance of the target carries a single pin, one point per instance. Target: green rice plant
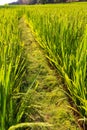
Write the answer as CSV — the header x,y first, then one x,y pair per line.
x,y
62,31
15,94
12,68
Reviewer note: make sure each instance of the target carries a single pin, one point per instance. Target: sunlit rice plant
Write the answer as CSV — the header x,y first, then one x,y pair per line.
x,y
62,31
15,92
11,67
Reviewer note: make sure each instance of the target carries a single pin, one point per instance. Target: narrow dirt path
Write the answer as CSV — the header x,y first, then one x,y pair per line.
x,y
49,95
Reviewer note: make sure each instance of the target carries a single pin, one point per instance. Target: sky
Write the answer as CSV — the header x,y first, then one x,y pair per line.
x,y
2,2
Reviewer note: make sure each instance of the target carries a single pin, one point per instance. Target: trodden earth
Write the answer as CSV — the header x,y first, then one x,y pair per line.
x,y
48,91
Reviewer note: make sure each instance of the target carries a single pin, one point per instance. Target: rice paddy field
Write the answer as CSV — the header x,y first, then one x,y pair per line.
x,y
61,31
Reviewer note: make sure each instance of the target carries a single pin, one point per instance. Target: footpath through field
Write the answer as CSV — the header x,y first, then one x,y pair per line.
x,y
49,95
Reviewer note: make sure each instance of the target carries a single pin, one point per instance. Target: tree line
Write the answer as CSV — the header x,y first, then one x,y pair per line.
x,y
42,1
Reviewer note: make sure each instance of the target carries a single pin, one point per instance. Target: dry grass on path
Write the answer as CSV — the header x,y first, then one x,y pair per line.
x,y
48,93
